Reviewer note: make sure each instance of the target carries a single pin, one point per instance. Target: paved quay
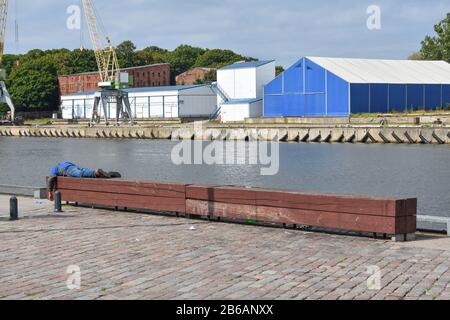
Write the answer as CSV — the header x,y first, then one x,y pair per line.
x,y
123,255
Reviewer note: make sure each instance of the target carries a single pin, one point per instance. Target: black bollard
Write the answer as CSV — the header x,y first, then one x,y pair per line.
x,y
58,202
14,209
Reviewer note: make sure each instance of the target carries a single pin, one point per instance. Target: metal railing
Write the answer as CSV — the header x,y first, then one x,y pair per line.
x,y
219,91
215,114
434,221
27,191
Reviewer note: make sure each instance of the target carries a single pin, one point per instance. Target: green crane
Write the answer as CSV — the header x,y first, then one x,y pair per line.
x,y
110,75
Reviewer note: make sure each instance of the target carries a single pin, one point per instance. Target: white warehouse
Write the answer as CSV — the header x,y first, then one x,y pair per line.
x,y
196,101
240,89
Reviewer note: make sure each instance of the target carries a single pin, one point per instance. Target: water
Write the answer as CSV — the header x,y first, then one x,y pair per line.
x,y
379,170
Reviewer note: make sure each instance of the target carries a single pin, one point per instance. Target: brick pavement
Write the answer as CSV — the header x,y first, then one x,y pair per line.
x,y
136,256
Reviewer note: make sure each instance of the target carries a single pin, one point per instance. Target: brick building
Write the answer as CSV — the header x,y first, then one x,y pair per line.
x,y
191,76
154,75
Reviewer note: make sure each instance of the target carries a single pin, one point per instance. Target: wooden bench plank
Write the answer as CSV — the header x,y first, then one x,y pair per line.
x,y
297,200
124,187
332,203
325,219
125,200
332,220
236,195
222,210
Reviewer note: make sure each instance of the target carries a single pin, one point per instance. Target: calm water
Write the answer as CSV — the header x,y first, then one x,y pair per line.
x,y
379,170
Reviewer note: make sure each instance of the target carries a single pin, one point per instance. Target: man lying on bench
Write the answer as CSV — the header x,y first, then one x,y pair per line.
x,y
68,169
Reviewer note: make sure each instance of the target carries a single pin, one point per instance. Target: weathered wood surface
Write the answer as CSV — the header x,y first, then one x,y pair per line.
x,y
304,201
345,212
162,197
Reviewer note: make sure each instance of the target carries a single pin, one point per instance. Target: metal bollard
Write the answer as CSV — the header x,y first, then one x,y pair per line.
x,y
58,202
14,209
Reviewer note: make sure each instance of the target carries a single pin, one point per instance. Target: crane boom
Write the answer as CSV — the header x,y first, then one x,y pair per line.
x,y
109,70
3,19
4,95
107,62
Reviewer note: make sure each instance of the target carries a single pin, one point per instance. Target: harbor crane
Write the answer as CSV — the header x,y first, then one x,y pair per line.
x,y
111,79
4,94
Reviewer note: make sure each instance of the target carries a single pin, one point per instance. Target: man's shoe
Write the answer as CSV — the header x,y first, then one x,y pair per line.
x,y
114,175
102,174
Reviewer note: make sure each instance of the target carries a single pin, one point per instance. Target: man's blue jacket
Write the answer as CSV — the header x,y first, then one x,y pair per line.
x,y
61,167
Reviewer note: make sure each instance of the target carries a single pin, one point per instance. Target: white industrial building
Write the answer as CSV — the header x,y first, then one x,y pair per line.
x,y
240,89
196,101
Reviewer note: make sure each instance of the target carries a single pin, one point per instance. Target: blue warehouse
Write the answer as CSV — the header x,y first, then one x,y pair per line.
x,y
340,87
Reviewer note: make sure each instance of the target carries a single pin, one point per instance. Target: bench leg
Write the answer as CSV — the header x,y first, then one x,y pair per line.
x,y
404,237
399,238
411,237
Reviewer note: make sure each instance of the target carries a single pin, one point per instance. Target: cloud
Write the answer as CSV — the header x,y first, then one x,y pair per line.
x,y
277,29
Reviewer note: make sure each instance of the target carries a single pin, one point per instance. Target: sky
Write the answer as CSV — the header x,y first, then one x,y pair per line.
x,y
283,30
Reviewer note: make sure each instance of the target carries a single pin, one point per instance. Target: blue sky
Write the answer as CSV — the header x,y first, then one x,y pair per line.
x,y
266,29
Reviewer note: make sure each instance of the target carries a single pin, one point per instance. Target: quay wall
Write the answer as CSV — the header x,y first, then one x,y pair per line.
x,y
312,134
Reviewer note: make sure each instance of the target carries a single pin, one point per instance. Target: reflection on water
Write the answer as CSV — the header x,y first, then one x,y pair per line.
x,y
383,170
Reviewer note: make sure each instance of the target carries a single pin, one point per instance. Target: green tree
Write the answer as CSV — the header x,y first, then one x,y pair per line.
x,y
415,56
279,70
9,62
438,47
3,110
63,62
125,54
34,85
151,55
211,76
32,55
82,61
183,58
218,58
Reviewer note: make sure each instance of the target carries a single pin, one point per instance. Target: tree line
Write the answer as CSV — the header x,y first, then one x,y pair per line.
x,y
32,78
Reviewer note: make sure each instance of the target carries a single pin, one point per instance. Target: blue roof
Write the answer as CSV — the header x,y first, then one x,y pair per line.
x,y
251,64
146,89
241,101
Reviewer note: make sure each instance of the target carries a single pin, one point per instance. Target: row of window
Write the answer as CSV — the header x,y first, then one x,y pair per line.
x,y
149,75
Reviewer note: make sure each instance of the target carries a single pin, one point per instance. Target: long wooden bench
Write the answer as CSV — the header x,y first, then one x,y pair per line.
x,y
163,197
385,216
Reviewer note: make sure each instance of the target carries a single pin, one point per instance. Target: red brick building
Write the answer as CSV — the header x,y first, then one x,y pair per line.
x,y
154,75
191,76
